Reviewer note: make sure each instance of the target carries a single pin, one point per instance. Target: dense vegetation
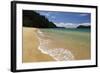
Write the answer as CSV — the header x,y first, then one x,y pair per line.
x,y
34,19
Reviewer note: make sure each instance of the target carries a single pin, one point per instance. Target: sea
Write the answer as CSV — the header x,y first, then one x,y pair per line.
x,y
65,44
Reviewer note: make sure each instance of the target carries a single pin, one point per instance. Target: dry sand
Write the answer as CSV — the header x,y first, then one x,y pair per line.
x,y
30,47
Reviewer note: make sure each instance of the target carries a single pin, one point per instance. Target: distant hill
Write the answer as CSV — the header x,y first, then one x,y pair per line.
x,y
82,26
34,19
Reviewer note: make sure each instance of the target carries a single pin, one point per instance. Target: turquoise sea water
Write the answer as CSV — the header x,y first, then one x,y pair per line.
x,y
77,41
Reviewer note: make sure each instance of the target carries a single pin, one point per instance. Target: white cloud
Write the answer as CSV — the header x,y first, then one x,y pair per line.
x,y
83,14
53,17
85,24
66,25
47,14
70,25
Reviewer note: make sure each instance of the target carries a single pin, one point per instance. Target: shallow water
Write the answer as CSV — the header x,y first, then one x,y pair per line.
x,y
65,44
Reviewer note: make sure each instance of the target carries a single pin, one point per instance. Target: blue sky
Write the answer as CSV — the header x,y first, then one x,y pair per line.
x,y
67,19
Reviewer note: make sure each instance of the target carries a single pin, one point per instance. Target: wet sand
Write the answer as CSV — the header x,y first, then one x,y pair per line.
x,y
30,47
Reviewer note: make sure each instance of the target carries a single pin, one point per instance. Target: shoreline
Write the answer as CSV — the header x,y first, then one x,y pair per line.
x,y
59,54
36,48
31,53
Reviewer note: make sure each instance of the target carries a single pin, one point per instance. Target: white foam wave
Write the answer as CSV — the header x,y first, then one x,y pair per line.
x,y
59,54
40,34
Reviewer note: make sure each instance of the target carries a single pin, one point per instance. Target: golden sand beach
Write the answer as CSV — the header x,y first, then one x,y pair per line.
x,y
31,52
30,47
